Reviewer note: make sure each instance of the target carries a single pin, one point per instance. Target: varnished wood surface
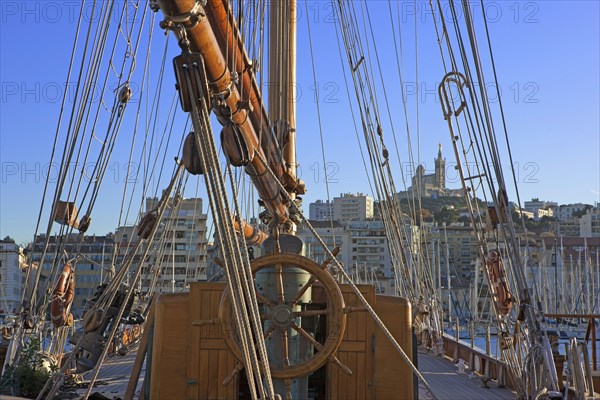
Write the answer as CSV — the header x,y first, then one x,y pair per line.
x,y
392,376
171,347
354,351
210,360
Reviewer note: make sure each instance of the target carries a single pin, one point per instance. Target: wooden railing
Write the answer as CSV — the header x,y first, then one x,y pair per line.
x,y
488,367
478,361
590,331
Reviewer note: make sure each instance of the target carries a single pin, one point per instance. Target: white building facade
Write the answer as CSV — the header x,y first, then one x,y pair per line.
x,y
320,210
333,234
352,207
12,265
180,246
589,224
565,211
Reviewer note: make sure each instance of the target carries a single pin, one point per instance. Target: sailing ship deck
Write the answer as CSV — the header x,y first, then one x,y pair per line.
x,y
447,384
439,372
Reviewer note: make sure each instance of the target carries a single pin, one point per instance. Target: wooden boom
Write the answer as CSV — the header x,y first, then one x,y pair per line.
x,y
213,33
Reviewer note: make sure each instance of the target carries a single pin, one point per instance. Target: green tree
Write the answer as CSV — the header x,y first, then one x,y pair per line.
x,y
446,215
579,214
26,378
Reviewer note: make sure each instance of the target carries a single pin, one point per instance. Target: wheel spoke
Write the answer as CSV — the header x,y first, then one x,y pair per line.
x,y
348,310
279,270
319,347
236,370
269,331
311,313
303,290
306,335
285,344
264,300
288,389
345,369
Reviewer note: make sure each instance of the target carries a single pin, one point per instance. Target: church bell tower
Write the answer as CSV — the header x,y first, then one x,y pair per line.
x,y
440,170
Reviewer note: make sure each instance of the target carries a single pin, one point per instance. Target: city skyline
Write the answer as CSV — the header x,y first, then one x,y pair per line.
x,y
553,122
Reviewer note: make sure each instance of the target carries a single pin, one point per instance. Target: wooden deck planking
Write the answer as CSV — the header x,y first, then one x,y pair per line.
x,y
441,375
113,378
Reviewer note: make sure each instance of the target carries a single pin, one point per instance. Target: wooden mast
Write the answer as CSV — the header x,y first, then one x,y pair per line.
x,y
212,31
282,79
289,150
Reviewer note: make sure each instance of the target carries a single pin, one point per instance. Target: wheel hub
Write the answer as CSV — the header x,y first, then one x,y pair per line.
x,y
282,315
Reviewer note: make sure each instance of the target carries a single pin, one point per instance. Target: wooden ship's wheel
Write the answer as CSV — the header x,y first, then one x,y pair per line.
x,y
281,315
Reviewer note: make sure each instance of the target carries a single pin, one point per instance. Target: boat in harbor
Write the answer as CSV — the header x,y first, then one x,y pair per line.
x,y
276,322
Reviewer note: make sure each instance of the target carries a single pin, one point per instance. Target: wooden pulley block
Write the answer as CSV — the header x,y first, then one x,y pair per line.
x,y
235,147
191,80
28,321
125,94
84,224
92,319
147,225
503,203
66,214
191,155
492,217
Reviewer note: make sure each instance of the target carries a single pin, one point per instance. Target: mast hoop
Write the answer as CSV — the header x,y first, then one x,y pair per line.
x,y
190,16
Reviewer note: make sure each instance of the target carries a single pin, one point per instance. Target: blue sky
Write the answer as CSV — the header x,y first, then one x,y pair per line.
x,y
547,59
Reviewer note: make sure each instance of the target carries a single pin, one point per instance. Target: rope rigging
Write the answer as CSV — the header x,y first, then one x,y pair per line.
x,y
413,272
84,122
100,165
32,310
236,262
99,311
339,268
480,136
